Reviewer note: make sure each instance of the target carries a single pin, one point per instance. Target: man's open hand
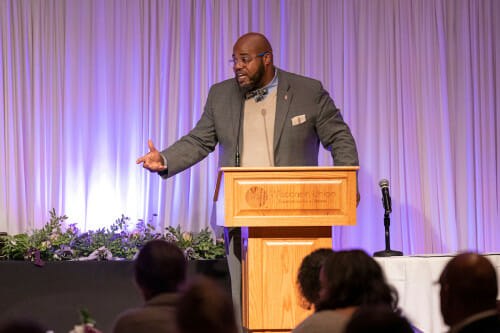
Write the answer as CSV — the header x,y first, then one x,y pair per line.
x,y
153,161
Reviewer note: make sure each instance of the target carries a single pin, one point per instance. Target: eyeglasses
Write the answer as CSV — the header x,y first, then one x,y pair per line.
x,y
245,60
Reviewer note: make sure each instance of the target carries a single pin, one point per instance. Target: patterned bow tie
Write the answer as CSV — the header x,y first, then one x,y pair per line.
x,y
258,94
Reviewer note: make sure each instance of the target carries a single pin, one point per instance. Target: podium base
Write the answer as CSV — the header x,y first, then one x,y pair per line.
x,y
388,253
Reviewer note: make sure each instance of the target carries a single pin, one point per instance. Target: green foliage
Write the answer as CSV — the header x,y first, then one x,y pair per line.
x,y
85,317
198,246
15,247
45,239
54,243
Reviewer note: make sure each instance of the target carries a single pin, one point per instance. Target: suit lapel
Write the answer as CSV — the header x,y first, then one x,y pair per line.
x,y
283,98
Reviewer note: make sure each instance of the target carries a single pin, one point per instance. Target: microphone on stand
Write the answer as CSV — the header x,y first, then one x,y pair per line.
x,y
237,149
386,198
386,201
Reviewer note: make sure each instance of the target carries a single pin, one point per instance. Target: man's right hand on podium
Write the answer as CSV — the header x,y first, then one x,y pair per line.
x,y
153,161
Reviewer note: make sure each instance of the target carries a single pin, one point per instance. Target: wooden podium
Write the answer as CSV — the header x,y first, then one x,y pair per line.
x,y
285,214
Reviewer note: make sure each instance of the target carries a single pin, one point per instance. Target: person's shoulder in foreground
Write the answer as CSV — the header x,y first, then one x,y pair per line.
x,y
323,321
156,315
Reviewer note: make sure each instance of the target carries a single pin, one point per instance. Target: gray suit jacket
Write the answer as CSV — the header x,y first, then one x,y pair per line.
x,y
293,145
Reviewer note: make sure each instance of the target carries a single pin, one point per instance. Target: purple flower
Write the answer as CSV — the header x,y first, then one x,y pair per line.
x,y
190,253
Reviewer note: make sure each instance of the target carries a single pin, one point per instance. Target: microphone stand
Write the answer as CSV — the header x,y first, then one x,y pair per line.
x,y
387,252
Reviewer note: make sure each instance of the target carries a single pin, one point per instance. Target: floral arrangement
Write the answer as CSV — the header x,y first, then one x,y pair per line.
x,y
86,323
54,242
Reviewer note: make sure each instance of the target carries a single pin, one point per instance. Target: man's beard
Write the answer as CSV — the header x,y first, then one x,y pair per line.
x,y
254,80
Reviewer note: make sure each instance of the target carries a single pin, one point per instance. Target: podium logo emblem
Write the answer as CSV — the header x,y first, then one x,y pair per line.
x,y
256,197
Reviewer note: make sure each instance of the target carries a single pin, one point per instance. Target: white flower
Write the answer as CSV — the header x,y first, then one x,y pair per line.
x,y
187,236
80,328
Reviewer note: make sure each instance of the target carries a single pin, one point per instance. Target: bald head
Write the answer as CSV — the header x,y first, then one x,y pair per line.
x,y
254,41
468,286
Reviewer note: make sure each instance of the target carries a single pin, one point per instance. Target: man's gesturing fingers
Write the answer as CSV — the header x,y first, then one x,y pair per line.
x,y
151,146
153,161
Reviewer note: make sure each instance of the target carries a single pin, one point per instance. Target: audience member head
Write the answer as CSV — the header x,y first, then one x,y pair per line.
x,y
351,279
308,275
205,307
21,325
377,319
159,268
468,286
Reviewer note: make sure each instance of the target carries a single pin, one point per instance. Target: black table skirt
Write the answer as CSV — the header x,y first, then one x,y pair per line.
x,y
54,293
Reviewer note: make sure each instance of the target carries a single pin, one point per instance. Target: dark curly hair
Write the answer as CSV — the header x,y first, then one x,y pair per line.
x,y
308,276
353,278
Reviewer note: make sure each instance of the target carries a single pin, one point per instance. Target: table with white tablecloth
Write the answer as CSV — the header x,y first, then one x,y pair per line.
x,y
415,278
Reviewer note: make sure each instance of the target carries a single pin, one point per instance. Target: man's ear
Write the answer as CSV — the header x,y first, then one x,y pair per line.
x,y
267,58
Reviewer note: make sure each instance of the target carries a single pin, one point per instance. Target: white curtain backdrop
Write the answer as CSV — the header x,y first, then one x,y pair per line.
x,y
85,84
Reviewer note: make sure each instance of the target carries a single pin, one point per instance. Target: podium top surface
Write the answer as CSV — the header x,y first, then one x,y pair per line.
x,y
291,168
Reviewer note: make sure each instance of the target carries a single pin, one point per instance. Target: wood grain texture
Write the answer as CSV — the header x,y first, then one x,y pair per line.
x,y
270,265
285,214
288,196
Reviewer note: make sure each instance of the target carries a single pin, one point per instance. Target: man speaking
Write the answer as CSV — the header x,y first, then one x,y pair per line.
x,y
263,117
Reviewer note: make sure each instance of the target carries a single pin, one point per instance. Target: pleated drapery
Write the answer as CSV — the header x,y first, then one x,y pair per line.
x,y
85,84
